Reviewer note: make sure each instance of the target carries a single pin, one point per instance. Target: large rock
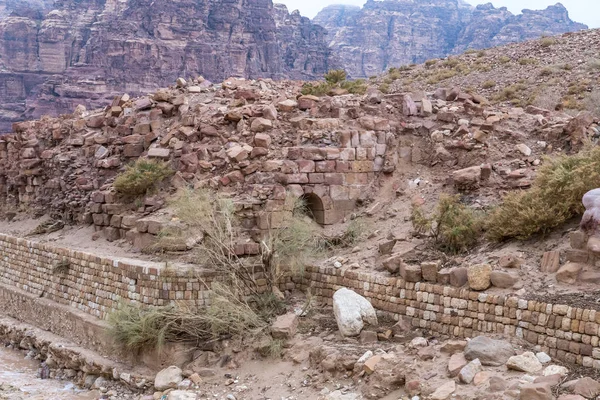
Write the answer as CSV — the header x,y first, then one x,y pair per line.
x,y
587,387
488,351
351,311
479,276
168,378
591,216
285,326
526,362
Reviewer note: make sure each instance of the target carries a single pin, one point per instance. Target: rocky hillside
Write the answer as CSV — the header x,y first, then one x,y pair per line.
x,y
85,52
559,72
392,33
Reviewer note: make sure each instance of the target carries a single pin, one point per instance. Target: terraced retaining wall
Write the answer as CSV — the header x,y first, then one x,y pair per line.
x,y
96,285
567,333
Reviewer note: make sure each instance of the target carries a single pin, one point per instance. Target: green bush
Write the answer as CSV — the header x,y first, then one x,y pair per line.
x,y
333,80
335,76
141,176
453,226
554,197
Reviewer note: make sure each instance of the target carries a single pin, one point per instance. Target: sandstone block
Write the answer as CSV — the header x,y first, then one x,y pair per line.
x,y
429,270
262,140
503,279
157,152
488,351
587,387
261,125
536,391
456,363
569,272
285,326
467,178
479,276
458,276
550,261
578,239
410,273
526,362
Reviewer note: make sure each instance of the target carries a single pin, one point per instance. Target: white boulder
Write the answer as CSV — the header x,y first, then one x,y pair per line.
x,y
351,311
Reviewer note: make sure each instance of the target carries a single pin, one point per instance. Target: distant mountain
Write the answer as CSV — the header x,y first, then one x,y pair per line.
x,y
390,33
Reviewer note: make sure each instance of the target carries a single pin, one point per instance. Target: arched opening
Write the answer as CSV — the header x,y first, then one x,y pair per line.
x,y
314,207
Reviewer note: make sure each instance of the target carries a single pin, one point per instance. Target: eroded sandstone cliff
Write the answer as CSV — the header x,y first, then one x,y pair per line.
x,y
85,52
390,33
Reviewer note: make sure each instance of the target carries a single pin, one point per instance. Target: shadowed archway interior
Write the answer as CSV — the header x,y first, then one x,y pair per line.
x,y
314,207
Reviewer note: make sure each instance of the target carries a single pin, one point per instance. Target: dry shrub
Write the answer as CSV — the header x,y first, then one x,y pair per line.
x,y
287,249
488,84
453,226
547,41
229,314
554,197
141,176
547,99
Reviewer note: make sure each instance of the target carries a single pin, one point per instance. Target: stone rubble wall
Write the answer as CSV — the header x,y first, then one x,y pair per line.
x,y
567,333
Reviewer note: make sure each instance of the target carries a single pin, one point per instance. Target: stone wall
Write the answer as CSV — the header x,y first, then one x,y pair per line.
x,y
564,332
96,285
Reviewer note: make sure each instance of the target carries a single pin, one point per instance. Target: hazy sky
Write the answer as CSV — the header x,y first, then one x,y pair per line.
x,y
586,11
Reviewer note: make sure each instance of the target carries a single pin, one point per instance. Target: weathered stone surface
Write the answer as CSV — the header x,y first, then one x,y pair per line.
x,y
468,372
261,125
456,363
503,279
444,391
526,362
555,370
284,326
536,391
550,261
168,378
587,387
351,311
458,276
569,272
488,351
479,276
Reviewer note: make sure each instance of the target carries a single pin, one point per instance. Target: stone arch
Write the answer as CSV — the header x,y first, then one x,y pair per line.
x,y
314,207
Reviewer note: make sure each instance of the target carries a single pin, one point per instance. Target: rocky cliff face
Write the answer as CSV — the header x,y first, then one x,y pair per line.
x,y
391,33
85,52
